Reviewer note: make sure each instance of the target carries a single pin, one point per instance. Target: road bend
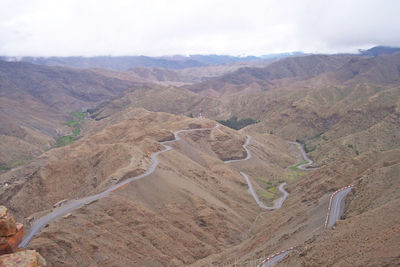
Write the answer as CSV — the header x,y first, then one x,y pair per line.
x,y
336,206
78,203
303,153
277,203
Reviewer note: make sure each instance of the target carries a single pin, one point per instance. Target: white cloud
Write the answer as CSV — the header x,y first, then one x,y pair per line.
x,y
156,27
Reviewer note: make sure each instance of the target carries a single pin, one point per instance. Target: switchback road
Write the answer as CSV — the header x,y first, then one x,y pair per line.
x,y
303,153
278,203
76,204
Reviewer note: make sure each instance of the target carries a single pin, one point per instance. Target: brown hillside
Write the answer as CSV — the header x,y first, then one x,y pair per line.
x,y
192,206
270,77
36,100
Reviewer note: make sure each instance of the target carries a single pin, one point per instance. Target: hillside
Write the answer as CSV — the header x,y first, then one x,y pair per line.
x,y
343,116
348,117
192,206
36,101
348,111
274,75
179,77
195,209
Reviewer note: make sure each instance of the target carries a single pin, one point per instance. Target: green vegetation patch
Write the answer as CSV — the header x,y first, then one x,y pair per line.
x,y
17,163
236,124
265,194
72,123
294,175
76,132
63,141
294,167
75,124
4,168
12,165
272,189
80,115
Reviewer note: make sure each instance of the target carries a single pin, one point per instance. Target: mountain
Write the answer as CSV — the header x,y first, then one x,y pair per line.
x,y
192,206
36,101
271,76
195,209
379,50
382,70
120,63
123,63
349,120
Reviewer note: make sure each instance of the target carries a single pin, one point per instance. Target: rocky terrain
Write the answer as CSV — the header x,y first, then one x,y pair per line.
x,y
193,198
36,102
194,209
11,234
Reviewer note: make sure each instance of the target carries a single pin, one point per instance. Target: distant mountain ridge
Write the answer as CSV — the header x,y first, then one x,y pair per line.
x,y
123,63
379,50
261,79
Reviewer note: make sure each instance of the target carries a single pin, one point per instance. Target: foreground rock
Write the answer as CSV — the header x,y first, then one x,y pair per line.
x,y
11,234
28,258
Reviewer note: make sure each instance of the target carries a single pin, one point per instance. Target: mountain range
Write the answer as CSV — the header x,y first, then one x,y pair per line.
x,y
195,209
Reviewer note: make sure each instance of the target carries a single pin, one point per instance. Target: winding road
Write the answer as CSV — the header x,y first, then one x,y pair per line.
x,y
76,204
275,258
303,153
335,209
278,203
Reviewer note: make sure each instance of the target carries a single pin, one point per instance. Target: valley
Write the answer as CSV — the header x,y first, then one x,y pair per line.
x,y
148,177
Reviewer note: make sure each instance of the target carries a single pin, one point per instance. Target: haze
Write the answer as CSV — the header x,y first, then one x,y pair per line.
x,y
154,27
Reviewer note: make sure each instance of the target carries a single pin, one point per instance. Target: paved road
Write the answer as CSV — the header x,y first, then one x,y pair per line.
x,y
303,153
336,206
274,260
248,153
76,204
278,203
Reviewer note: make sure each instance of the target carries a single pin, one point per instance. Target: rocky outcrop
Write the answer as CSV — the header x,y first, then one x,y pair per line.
x,y
23,258
11,234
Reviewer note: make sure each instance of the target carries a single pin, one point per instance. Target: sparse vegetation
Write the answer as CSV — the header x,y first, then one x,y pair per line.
x,y
68,139
4,168
265,194
12,165
236,124
294,167
63,141
76,132
72,123
293,175
272,189
80,115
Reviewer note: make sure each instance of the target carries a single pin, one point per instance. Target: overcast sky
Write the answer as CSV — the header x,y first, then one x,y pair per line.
x,y
156,27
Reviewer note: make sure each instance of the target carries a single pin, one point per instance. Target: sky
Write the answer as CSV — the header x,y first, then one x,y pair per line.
x,y
171,27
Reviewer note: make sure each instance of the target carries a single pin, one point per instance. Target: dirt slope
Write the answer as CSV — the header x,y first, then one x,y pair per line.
x,y
192,206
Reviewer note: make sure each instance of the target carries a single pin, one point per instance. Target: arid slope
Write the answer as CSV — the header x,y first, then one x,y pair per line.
x,y
192,206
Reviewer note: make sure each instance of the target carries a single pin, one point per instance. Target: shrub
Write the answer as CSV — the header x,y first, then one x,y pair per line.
x,y
236,124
